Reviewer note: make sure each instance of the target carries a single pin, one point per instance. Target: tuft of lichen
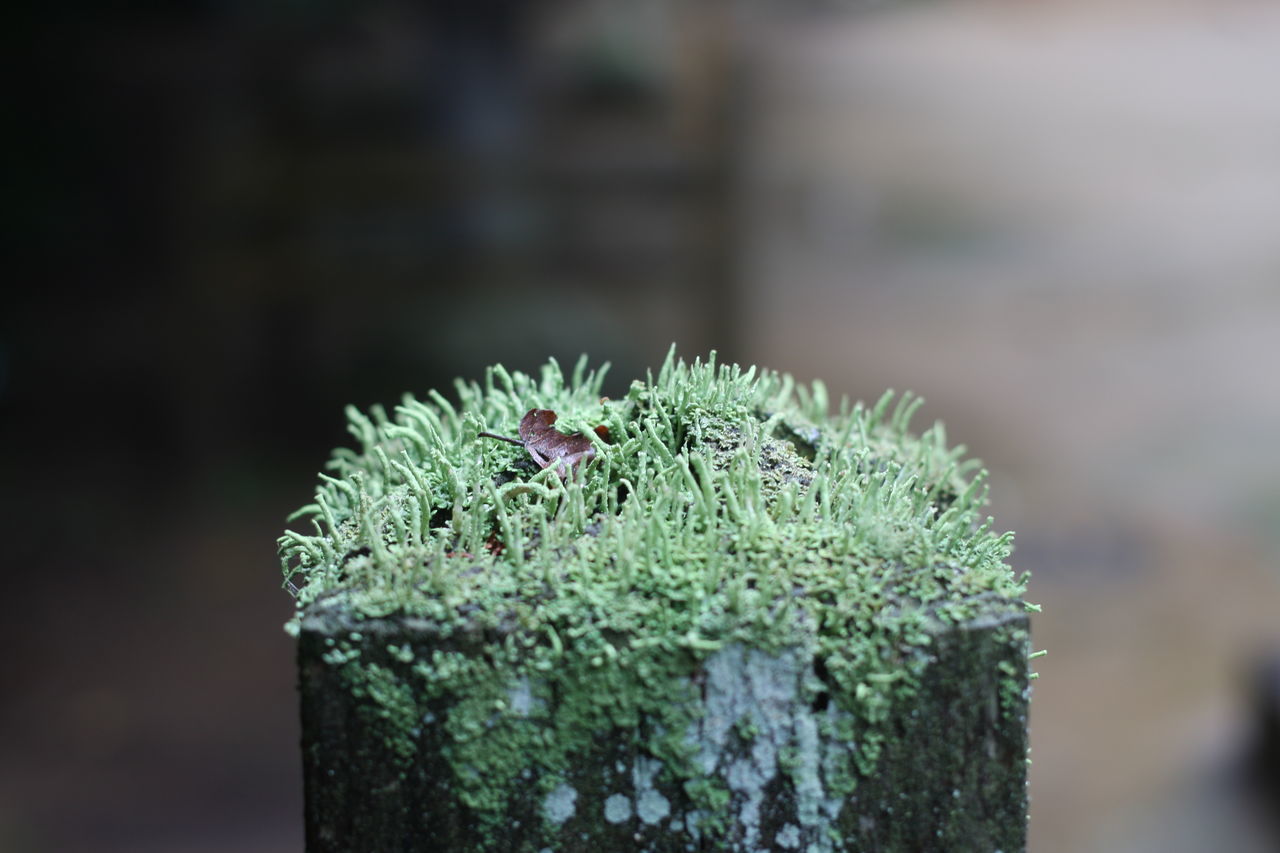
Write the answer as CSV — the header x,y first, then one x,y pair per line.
x,y
729,510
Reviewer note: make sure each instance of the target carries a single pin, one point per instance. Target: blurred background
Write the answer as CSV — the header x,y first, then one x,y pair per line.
x,y
1058,221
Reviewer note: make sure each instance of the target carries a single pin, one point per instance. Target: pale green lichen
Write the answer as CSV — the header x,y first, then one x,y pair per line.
x,y
730,522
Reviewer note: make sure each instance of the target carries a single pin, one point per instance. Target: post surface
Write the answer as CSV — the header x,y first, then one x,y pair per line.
x,y
950,775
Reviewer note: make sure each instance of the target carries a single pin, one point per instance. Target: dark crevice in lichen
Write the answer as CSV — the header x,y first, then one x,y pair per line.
x,y
804,438
362,551
821,695
440,518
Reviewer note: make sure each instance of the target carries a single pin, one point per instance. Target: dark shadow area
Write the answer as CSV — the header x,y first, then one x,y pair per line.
x,y
232,220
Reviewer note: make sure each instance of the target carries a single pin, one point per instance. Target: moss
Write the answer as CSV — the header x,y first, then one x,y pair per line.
x,y
729,510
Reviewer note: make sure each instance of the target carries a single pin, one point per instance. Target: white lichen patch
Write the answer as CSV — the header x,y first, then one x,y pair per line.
x,y
617,808
651,806
560,804
521,699
788,837
756,712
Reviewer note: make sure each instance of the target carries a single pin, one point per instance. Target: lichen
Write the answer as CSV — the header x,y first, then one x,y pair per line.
x,y
559,805
617,808
733,548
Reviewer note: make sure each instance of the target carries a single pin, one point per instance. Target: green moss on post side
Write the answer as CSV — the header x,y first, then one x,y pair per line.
x,y
717,631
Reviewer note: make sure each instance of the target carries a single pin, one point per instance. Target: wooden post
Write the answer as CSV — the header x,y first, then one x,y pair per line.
x,y
708,616
951,774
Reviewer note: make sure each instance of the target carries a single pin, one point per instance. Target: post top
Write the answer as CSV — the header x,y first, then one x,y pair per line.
x,y
700,508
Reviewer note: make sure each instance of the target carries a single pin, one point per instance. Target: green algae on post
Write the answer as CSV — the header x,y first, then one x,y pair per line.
x,y
735,573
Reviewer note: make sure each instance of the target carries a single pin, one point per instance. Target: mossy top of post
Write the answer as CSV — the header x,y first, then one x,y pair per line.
x,y
727,506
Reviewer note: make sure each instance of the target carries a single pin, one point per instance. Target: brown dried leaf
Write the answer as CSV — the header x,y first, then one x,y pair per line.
x,y
549,446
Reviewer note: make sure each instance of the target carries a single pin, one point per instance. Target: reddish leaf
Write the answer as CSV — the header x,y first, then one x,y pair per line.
x,y
549,446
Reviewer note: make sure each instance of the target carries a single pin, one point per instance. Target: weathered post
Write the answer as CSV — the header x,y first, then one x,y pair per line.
x,y
708,616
